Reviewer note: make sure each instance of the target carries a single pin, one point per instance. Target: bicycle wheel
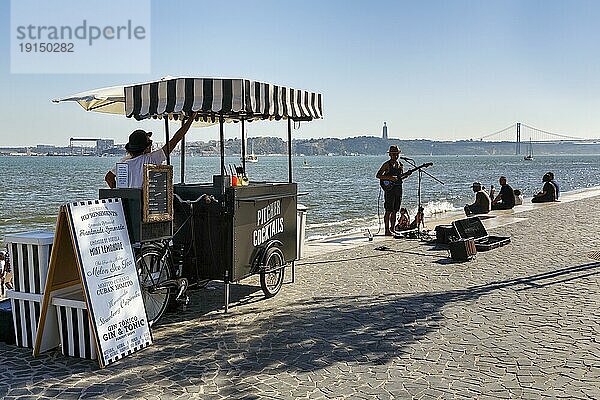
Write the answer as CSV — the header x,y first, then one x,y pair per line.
x,y
154,267
271,282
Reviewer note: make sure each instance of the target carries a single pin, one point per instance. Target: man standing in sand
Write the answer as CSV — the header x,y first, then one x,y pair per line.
x,y
390,176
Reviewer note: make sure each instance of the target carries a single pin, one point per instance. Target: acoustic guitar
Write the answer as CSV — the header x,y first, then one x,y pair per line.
x,y
388,185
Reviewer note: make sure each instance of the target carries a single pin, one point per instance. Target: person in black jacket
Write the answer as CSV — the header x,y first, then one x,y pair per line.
x,y
555,183
548,193
506,198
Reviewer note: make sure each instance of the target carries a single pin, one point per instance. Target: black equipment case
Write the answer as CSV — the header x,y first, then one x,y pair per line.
x,y
462,249
444,233
474,229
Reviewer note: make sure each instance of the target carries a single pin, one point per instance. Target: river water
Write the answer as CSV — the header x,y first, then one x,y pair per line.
x,y
341,193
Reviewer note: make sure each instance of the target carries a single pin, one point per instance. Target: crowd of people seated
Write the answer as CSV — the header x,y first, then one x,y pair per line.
x,y
485,202
508,197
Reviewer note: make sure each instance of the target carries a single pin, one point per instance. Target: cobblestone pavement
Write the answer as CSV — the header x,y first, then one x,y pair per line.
x,y
521,321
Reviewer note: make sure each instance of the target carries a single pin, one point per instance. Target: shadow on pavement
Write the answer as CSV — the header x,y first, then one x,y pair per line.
x,y
313,334
379,248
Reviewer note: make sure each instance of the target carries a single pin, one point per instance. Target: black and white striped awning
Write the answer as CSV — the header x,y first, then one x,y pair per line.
x,y
234,99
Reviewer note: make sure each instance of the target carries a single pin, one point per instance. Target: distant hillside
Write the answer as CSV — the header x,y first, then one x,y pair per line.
x,y
375,145
368,145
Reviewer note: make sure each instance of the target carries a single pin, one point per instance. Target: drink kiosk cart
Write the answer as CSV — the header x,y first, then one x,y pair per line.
x,y
187,234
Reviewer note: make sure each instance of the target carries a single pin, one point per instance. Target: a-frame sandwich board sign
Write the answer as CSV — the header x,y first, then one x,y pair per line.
x,y
92,248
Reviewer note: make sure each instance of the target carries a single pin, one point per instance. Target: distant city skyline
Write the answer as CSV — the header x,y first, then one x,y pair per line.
x,y
439,70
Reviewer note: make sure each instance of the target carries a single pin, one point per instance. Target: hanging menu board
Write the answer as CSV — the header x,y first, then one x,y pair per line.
x,y
122,175
158,193
92,246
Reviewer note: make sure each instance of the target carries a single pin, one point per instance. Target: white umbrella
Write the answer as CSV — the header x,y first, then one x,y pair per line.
x,y
110,100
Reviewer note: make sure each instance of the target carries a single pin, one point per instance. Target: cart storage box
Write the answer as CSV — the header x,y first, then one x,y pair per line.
x,y
26,308
76,337
472,228
29,256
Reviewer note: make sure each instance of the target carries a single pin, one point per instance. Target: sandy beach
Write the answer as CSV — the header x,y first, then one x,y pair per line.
x,y
520,321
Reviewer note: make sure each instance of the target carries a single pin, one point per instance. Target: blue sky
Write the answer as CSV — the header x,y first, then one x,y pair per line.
x,y
431,69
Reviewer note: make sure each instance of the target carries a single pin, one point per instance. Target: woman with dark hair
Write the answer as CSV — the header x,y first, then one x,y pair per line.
x,y
548,193
404,220
555,183
419,219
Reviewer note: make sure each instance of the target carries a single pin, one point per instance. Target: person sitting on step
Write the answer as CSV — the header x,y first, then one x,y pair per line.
x,y
482,203
548,193
419,219
404,220
506,198
555,183
518,198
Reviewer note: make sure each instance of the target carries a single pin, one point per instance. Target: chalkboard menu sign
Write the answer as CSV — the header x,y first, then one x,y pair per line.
x,y
158,193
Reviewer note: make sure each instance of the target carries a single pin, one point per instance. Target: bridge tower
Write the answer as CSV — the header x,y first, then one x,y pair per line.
x,y
385,135
518,148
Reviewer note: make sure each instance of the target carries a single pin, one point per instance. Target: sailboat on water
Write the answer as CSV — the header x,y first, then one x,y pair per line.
x,y
252,157
529,155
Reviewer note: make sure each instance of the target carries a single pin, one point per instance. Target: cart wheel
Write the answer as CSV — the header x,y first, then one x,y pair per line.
x,y
271,282
154,268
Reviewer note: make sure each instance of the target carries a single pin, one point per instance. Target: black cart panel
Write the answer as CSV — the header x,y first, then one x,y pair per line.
x,y
263,214
230,235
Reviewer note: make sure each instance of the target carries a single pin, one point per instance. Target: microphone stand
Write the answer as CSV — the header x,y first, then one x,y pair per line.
x,y
419,179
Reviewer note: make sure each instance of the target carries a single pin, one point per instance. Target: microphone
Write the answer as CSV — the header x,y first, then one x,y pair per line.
x,y
406,159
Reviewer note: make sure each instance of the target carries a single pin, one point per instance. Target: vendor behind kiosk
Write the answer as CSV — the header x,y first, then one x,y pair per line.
x,y
139,153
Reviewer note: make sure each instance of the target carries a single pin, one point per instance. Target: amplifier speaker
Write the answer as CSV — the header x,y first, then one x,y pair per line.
x,y
443,233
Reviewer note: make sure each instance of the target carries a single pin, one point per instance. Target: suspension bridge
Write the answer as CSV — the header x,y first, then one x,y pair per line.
x,y
519,132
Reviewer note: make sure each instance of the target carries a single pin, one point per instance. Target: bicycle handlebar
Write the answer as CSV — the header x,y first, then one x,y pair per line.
x,y
208,198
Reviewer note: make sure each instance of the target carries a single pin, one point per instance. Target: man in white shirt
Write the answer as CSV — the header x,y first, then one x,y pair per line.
x,y
139,152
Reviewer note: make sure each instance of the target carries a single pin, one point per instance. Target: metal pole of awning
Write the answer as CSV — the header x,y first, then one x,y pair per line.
x,y
182,160
243,146
167,140
289,150
222,139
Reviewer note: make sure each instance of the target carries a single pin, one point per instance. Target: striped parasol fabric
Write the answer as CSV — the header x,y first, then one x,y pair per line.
x,y
212,97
